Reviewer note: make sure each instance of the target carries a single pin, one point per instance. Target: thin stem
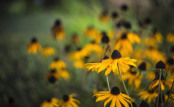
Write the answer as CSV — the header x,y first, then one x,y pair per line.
x,y
122,80
108,82
159,88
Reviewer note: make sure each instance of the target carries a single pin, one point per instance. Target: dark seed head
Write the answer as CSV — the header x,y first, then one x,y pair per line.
x,y
115,91
147,20
33,40
67,48
105,38
114,15
160,65
106,57
53,70
142,66
56,58
118,25
133,72
144,104
127,25
170,61
93,42
116,54
124,7
79,48
151,91
52,79
58,22
124,36
65,97
49,99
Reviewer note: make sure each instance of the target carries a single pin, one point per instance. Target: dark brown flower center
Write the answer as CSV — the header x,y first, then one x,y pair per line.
x,y
65,97
144,104
160,65
106,57
105,38
56,59
116,54
115,91
124,36
52,79
33,40
142,66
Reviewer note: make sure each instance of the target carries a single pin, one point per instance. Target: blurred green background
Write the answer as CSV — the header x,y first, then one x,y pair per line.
x,y
22,76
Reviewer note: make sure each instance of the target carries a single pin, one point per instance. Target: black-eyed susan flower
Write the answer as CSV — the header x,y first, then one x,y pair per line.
x,y
124,45
80,53
57,64
170,37
48,51
62,74
93,47
133,38
111,64
104,17
58,30
69,101
149,95
142,66
133,77
75,39
34,46
53,102
94,34
114,96
79,64
51,76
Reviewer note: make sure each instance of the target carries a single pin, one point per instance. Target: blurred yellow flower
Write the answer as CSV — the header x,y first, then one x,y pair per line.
x,y
93,47
104,17
151,75
170,37
124,45
133,38
52,103
79,54
57,64
75,39
48,51
114,96
149,95
79,64
93,34
69,101
62,74
58,30
111,64
34,46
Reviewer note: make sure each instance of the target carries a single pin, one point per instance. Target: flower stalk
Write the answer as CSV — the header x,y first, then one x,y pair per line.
x,y
159,90
107,79
122,80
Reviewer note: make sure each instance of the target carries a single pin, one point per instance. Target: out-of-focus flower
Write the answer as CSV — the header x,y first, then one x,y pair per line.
x,y
105,38
124,7
78,54
150,75
34,46
53,102
150,95
93,34
133,77
114,96
62,74
114,15
157,36
79,64
133,38
124,45
111,64
48,51
104,17
69,101
58,30
170,37
75,39
57,64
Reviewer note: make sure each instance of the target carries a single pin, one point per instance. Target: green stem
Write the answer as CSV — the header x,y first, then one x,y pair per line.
x,y
122,80
108,82
159,90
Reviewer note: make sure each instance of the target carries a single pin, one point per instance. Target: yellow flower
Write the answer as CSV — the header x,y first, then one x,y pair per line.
x,y
34,46
149,95
133,77
104,17
58,30
114,96
154,55
79,54
48,51
133,38
93,34
79,64
111,64
57,64
158,37
170,37
124,45
93,47
75,39
69,101
52,103
51,76
62,74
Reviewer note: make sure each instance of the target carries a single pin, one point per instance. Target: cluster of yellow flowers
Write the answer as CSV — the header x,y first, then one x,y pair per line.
x,y
119,52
